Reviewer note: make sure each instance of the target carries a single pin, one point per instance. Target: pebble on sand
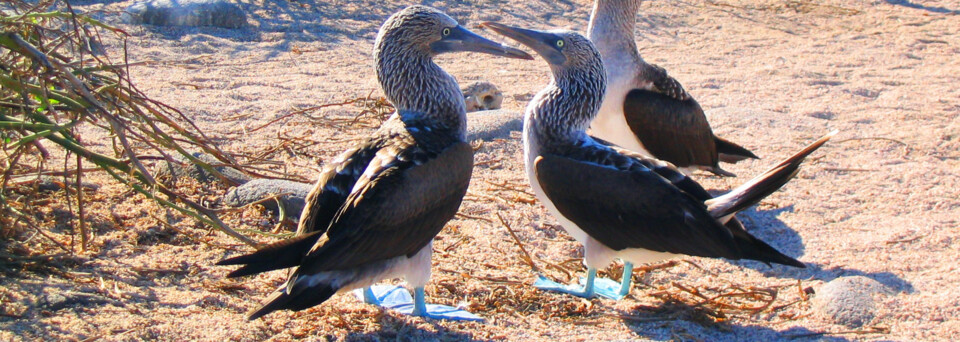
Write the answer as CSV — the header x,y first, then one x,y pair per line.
x,y
219,13
848,300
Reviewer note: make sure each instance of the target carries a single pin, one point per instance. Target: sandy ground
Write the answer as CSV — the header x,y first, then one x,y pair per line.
x,y
881,200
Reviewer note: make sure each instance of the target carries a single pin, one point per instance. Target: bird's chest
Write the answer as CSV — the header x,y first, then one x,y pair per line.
x,y
610,123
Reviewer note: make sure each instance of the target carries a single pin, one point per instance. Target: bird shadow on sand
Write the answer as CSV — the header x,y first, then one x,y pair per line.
x,y
766,226
934,9
681,321
394,329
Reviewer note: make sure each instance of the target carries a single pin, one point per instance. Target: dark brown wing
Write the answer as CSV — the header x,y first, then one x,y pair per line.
x,y
665,169
671,130
632,209
396,211
333,186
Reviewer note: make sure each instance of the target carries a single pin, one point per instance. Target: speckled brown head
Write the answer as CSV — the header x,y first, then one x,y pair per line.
x,y
569,103
404,51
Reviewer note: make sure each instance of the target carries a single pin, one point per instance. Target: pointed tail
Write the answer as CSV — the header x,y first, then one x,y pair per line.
x,y
299,299
730,152
282,254
763,185
755,249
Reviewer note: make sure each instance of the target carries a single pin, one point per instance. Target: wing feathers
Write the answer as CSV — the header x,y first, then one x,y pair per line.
x,y
763,185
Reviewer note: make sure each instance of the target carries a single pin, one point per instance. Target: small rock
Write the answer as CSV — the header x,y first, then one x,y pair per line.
x,y
54,301
259,189
184,168
826,115
219,13
482,96
848,300
52,183
494,124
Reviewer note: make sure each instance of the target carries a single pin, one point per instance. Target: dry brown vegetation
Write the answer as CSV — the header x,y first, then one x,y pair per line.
x,y
281,97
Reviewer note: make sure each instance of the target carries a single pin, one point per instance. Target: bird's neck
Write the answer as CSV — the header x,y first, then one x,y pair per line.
x,y
418,86
612,23
561,113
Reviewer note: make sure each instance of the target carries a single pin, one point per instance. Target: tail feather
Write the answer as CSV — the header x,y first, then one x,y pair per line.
x,y
299,300
763,185
730,152
755,249
282,254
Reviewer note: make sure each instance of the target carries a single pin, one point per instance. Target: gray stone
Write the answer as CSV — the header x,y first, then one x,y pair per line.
x,y
54,301
848,300
54,183
259,189
493,124
219,13
184,168
482,96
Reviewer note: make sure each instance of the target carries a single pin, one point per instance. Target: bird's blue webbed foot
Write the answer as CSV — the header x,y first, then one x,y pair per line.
x,y
435,311
590,286
387,296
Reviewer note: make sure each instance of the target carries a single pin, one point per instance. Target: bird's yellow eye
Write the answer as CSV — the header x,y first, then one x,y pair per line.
x,y
446,31
560,43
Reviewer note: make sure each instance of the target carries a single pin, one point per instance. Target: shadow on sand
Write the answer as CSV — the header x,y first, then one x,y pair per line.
x,y
767,227
399,330
684,329
934,9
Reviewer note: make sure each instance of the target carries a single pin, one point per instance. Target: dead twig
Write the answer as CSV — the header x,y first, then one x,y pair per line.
x,y
468,216
844,169
915,238
525,256
863,331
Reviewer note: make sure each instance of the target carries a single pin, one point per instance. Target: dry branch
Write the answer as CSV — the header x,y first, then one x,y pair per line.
x,y
52,85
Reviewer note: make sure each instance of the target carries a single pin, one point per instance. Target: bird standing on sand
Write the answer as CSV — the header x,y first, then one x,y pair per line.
x,y
645,110
376,209
616,203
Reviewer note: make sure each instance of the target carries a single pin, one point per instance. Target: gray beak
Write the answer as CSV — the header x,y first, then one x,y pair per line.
x,y
461,39
544,43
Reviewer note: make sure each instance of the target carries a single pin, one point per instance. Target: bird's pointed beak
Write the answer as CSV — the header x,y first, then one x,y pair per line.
x,y
541,42
462,39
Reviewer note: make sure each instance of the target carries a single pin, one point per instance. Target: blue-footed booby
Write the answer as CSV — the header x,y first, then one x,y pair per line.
x,y
618,203
645,109
375,210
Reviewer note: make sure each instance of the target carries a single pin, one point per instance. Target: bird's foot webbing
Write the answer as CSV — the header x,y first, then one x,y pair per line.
x,y
387,296
600,286
399,299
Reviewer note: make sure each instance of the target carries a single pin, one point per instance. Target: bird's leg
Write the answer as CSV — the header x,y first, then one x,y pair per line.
x,y
588,286
369,297
434,311
627,277
419,302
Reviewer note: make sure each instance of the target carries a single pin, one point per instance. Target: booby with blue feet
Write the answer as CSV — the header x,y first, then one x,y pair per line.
x,y
618,203
645,109
375,210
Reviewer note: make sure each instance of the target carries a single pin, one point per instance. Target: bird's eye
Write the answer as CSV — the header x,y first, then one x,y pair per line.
x,y
446,31
560,43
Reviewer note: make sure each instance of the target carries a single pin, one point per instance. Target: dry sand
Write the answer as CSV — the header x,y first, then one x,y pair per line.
x,y
881,200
